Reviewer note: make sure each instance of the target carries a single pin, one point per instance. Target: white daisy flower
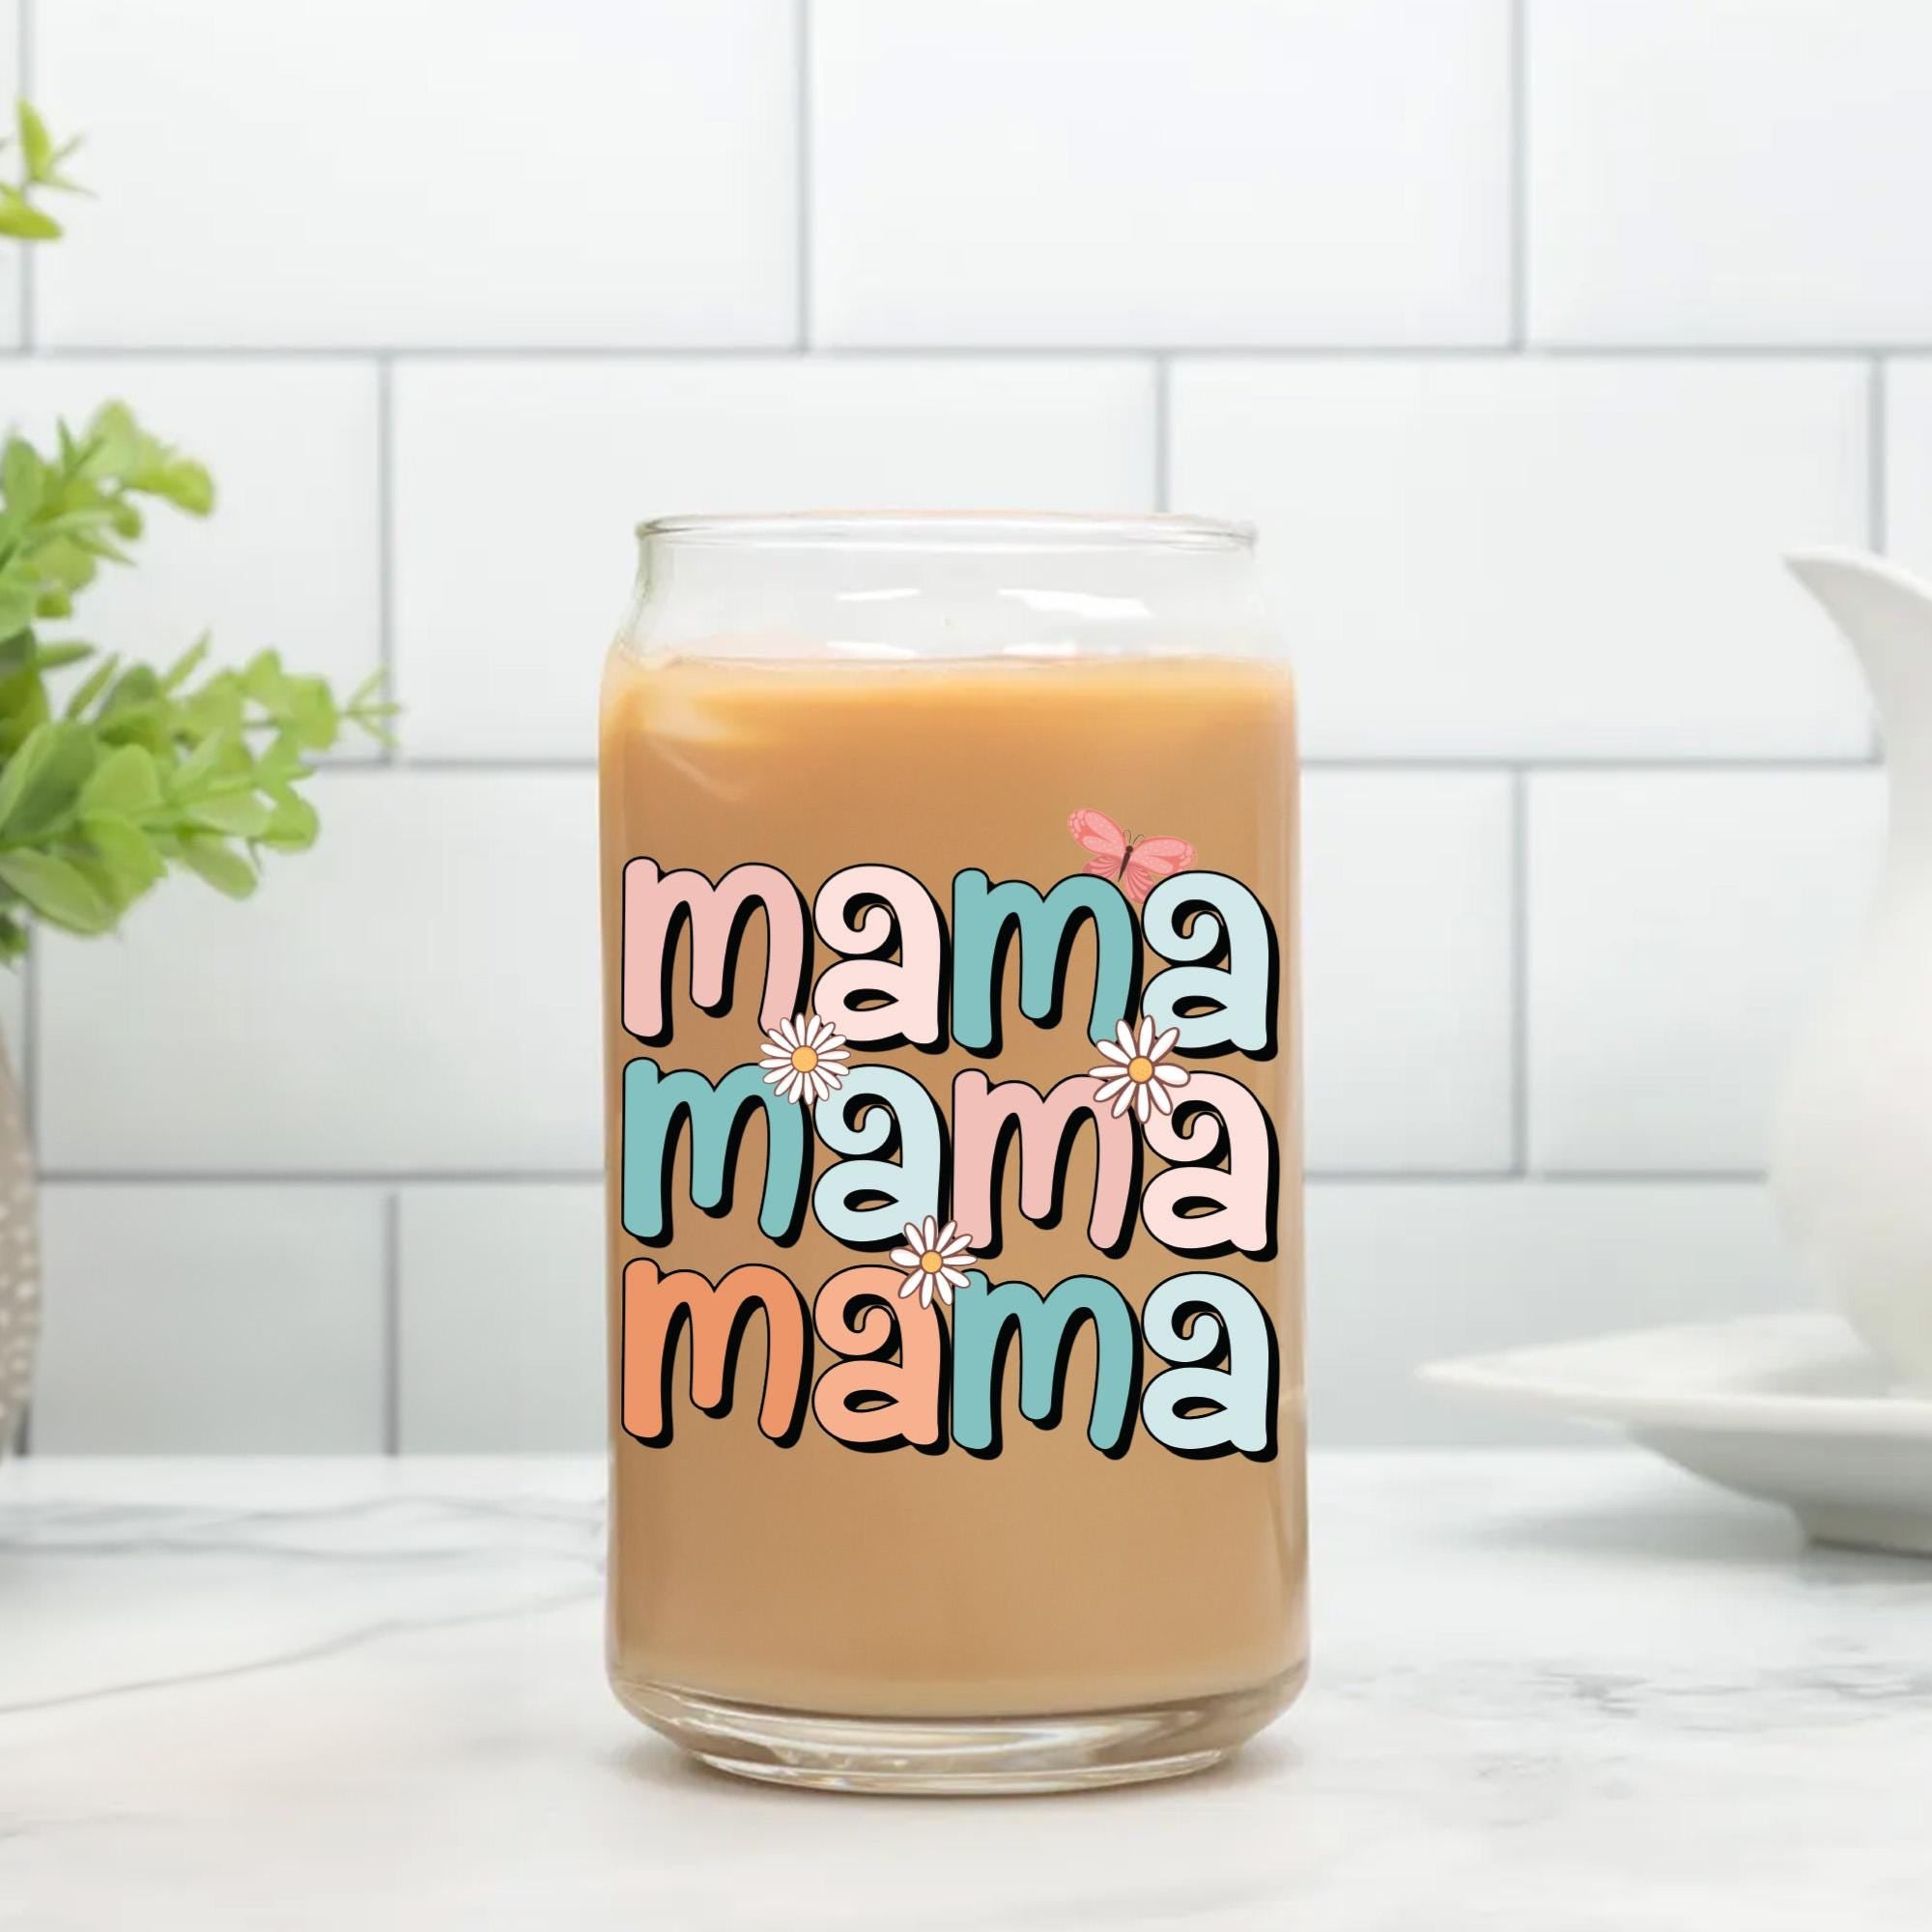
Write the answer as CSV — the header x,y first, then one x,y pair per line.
x,y
1134,1076
934,1259
804,1059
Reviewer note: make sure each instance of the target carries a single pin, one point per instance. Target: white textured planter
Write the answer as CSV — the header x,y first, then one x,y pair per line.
x,y
19,1259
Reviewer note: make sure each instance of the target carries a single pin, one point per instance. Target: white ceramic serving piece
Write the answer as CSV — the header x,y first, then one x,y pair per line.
x,y
1791,1409
1851,1156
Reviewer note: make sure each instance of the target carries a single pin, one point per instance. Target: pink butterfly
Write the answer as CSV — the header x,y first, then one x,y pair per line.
x,y
1137,864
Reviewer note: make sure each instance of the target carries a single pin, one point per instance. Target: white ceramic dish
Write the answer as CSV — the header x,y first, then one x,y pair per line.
x,y
1791,1409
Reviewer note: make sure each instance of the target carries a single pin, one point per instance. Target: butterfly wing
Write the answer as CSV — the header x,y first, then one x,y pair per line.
x,y
1093,832
1150,861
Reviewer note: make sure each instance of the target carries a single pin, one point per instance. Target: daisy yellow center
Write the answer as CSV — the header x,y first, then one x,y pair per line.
x,y
805,1058
1140,1069
932,1261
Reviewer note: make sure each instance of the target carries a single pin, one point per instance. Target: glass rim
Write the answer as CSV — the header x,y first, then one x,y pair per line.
x,y
955,531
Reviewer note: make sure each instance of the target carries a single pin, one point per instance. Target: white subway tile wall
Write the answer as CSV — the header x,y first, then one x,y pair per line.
x,y
1530,331
1727,171
418,994
1679,925
1408,964
198,1320
1908,447
1228,172
495,659
1524,557
10,85
500,1346
292,559
369,174
1411,1272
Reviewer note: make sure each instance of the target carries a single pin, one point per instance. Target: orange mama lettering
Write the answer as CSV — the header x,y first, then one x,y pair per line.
x,y
1214,1394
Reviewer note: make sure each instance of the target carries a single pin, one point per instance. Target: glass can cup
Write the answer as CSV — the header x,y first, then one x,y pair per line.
x,y
953,1137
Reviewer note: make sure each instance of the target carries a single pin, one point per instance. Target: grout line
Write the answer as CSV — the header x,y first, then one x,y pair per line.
x,y
1427,765
1877,456
30,1044
385,540
1518,969
28,1072
403,762
318,1177
1518,184
1649,1177
1163,432
394,1183
23,59
1503,351
1539,1177
801,164
1367,1176
392,1324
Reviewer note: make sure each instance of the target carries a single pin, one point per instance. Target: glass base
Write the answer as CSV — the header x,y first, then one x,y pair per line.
x,y
958,1756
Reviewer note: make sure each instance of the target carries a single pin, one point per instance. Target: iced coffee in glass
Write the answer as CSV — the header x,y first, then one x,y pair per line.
x,y
953,1129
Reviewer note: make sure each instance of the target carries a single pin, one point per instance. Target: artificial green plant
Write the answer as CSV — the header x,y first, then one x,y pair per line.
x,y
112,773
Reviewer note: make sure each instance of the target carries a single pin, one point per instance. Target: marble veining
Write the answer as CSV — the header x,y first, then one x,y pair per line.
x,y
1553,1691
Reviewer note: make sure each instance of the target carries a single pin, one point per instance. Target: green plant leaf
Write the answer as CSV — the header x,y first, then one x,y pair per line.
x,y
19,770
16,606
123,783
368,691
126,852
21,220
186,665
240,814
57,891
199,766
50,794
218,862
113,442
185,484
313,714
23,708
91,686
144,771
36,145
291,826
136,685
57,657
24,478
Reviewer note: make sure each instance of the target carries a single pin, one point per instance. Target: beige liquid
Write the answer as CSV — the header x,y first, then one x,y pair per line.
x,y
905,1584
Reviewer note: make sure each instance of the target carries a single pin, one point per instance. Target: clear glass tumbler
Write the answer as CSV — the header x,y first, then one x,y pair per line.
x,y
950,906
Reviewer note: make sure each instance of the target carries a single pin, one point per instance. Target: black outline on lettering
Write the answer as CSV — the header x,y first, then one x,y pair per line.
x,y
895,1144
996,1165
1012,1326
680,1129
1190,1312
895,944
891,1352
1010,928
678,1330
1184,1112
679,923
1186,911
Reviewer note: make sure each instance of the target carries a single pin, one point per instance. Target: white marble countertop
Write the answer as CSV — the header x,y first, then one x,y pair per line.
x,y
1560,1691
